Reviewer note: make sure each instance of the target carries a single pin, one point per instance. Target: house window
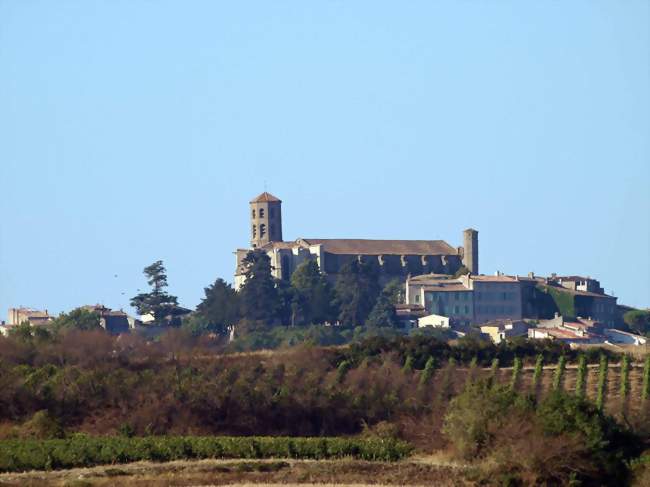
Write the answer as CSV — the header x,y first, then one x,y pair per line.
x,y
261,212
262,229
253,212
456,311
254,231
417,298
466,309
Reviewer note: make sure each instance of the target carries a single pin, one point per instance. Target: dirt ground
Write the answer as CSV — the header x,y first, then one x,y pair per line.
x,y
413,472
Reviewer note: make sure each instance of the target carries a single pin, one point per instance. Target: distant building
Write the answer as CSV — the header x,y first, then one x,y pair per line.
x,y
468,298
16,316
437,321
577,330
408,315
114,322
393,258
499,331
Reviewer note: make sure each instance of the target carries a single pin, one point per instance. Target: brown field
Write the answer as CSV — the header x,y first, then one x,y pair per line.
x,y
415,472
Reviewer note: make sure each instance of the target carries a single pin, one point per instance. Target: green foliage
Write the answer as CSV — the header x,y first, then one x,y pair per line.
x,y
471,414
342,370
601,395
581,380
638,321
85,451
558,378
394,290
494,369
625,376
539,370
563,300
408,365
645,388
507,429
216,311
260,299
157,302
356,291
516,374
383,313
312,301
427,373
42,425
77,319
284,337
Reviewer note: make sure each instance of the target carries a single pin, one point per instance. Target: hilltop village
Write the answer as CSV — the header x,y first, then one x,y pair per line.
x,y
433,286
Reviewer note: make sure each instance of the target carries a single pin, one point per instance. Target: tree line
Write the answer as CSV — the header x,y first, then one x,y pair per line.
x,y
264,302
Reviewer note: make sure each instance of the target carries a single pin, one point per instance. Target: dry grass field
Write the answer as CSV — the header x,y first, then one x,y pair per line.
x,y
261,472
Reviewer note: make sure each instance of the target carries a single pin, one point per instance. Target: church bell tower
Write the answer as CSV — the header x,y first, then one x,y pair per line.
x,y
266,220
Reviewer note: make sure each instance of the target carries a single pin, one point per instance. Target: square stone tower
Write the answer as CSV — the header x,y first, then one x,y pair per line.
x,y
266,220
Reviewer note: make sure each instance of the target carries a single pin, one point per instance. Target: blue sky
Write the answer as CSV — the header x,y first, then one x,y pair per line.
x,y
134,130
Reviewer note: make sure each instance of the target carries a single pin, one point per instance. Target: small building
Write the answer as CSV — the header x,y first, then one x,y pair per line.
x,y
620,337
499,331
437,321
408,315
34,317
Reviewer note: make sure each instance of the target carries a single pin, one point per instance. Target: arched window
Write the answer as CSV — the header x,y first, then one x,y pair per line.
x,y
262,230
261,212
253,212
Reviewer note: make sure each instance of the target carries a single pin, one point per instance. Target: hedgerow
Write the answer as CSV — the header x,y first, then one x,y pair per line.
x,y
85,451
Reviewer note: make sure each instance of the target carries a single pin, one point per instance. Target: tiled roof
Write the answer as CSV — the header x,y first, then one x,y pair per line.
x,y
501,278
265,198
353,246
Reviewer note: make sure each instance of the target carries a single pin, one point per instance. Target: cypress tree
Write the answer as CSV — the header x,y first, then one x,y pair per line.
x,y
602,382
625,377
408,365
581,380
427,373
539,370
645,391
494,370
559,373
516,372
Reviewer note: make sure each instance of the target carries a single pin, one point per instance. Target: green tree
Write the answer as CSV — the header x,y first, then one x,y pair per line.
x,y
216,311
356,291
581,380
259,296
77,319
383,313
394,289
638,321
312,300
157,302
601,396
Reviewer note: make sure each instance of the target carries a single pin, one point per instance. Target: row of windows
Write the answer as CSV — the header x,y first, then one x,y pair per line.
x,y
495,310
495,296
271,212
448,296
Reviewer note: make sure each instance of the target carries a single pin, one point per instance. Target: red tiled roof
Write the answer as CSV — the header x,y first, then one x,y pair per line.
x,y
265,198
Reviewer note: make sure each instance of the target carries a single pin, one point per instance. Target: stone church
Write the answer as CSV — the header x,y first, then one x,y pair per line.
x,y
395,258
